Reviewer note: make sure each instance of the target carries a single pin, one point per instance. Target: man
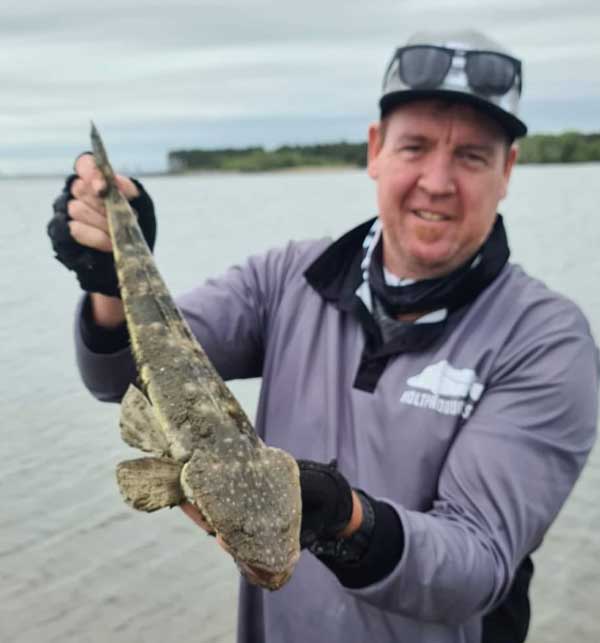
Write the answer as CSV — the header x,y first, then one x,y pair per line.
x,y
457,395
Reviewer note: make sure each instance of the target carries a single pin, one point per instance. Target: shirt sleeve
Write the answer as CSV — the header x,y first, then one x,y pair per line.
x,y
229,316
506,476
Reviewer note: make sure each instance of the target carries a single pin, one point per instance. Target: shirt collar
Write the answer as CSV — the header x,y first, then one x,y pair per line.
x,y
337,274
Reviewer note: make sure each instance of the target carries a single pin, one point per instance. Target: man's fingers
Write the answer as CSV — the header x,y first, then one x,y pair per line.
x,y
90,182
222,544
80,211
90,236
193,513
94,183
127,187
86,169
88,193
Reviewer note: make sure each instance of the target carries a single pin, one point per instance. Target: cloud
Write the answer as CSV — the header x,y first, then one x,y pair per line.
x,y
131,65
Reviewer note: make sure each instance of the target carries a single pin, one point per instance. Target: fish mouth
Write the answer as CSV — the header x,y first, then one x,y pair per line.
x,y
268,578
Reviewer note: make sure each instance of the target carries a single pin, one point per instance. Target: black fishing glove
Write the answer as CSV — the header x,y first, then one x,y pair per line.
x,y
95,270
371,552
326,501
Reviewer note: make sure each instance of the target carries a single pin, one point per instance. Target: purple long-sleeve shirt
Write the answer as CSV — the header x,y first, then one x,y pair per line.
x,y
476,441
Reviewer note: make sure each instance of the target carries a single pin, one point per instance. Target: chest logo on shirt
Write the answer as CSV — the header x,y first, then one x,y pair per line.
x,y
444,389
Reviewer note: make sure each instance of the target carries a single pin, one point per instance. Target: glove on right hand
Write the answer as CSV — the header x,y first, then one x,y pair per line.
x,y
95,270
326,501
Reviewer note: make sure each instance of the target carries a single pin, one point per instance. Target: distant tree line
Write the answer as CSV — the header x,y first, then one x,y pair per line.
x,y
257,159
570,147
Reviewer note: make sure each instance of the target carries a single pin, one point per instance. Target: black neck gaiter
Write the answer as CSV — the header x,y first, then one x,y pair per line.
x,y
451,291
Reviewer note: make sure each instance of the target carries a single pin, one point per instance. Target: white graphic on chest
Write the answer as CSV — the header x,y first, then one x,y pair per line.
x,y
444,389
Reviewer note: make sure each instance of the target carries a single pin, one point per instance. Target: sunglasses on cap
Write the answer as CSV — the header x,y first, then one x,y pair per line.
x,y
427,67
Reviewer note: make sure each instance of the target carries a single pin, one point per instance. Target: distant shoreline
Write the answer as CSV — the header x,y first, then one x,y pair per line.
x,y
296,169
537,149
308,169
258,159
569,147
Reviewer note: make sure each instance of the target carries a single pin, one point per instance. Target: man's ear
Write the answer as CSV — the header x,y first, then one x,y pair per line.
x,y
374,147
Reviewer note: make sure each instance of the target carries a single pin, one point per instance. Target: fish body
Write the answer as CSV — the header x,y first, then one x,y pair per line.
x,y
205,449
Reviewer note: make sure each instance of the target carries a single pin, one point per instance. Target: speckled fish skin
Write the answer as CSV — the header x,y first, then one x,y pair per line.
x,y
248,493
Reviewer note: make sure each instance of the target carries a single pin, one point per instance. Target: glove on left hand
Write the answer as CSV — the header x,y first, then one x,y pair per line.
x,y
95,270
326,501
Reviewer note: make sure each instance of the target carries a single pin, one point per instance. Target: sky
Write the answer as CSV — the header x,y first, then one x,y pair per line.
x,y
161,75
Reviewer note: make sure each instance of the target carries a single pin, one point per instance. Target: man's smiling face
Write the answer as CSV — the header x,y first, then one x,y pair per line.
x,y
441,170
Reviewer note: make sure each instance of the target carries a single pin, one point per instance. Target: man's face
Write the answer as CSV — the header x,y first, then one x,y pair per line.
x,y
441,171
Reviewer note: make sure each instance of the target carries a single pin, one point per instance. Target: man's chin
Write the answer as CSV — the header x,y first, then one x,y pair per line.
x,y
422,253
428,261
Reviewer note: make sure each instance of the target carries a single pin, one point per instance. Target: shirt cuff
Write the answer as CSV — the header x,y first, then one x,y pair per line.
x,y
384,552
99,339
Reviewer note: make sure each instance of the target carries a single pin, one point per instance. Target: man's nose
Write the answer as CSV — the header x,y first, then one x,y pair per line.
x,y
437,176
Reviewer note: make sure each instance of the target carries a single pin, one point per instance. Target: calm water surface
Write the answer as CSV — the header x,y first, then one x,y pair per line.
x,y
75,563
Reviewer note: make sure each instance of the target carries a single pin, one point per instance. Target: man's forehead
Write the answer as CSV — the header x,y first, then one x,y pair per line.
x,y
431,115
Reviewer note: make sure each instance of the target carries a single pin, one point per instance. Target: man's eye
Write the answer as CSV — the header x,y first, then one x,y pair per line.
x,y
473,158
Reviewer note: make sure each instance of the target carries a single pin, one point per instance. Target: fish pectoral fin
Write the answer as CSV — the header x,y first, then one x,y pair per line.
x,y
148,484
140,427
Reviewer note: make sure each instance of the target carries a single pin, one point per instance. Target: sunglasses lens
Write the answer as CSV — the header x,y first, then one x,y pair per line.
x,y
424,67
489,73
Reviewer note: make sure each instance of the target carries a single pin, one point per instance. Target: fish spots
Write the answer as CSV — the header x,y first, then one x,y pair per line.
x,y
202,414
171,342
215,388
249,527
185,428
145,373
191,390
204,429
178,450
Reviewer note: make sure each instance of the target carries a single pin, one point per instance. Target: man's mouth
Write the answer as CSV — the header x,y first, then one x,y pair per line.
x,y
427,215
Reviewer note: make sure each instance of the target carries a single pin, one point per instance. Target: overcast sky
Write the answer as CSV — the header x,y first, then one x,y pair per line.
x,y
159,75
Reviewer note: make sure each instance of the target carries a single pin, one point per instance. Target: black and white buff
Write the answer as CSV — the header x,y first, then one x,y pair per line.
x,y
436,297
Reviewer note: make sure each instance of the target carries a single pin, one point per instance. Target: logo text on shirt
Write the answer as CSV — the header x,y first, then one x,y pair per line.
x,y
444,389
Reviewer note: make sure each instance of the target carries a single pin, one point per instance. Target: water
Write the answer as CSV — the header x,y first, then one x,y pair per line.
x,y
75,563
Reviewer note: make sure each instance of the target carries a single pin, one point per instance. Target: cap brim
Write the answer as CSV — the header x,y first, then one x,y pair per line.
x,y
513,126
